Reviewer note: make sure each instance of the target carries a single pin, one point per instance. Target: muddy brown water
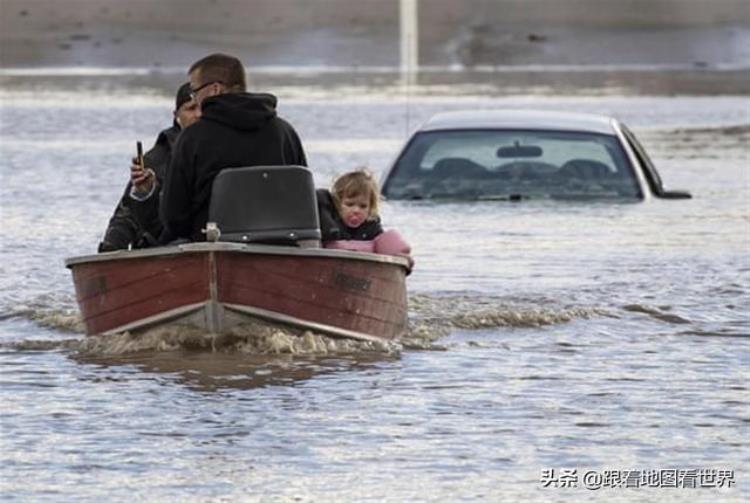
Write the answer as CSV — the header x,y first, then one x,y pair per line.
x,y
544,335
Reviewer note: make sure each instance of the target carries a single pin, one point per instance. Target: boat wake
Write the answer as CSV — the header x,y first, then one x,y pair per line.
x,y
656,313
250,338
58,312
430,318
433,317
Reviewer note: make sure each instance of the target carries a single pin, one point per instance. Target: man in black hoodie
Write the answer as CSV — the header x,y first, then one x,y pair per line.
x,y
236,129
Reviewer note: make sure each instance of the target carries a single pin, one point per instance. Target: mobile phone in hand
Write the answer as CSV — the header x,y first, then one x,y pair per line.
x,y
139,148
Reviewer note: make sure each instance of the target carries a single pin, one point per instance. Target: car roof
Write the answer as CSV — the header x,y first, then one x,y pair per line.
x,y
520,119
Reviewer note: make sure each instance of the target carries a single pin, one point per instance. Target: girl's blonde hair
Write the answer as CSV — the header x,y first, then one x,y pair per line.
x,y
359,182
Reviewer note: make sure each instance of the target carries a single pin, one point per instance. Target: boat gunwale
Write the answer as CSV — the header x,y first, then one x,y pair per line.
x,y
253,249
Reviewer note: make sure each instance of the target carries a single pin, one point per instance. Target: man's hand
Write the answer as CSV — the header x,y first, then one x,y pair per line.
x,y
143,180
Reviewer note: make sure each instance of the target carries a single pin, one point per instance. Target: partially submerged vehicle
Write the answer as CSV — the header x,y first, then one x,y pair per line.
x,y
524,154
262,263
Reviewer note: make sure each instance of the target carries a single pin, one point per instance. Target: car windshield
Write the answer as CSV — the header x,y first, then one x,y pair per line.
x,y
500,164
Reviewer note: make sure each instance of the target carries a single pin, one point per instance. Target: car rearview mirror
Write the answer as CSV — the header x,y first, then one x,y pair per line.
x,y
518,150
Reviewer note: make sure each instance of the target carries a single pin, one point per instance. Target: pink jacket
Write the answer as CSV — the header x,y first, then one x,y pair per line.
x,y
389,242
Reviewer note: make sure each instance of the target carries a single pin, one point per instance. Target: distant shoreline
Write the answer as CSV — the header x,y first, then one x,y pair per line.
x,y
463,34
382,69
662,47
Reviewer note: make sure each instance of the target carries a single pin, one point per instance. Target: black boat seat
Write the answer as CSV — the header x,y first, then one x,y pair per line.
x,y
265,204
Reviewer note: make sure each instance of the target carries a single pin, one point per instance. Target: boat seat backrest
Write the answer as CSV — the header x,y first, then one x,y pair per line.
x,y
265,204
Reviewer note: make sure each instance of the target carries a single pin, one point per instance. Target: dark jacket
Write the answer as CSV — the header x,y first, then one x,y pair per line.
x,y
136,223
147,212
332,228
234,130
160,154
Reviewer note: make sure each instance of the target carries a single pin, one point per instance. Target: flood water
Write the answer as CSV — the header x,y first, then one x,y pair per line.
x,y
544,335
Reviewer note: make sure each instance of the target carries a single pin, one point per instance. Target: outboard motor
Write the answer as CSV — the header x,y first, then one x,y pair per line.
x,y
264,204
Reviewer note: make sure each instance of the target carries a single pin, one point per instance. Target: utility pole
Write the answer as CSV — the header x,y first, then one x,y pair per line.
x,y
409,41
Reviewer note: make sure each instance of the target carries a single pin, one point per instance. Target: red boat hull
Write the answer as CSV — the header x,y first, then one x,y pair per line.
x,y
219,285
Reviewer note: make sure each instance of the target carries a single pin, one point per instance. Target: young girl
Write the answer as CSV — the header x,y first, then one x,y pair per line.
x,y
349,217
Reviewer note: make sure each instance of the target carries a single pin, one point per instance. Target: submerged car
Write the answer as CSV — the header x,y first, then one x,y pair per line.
x,y
518,154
